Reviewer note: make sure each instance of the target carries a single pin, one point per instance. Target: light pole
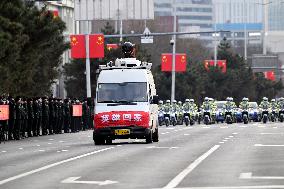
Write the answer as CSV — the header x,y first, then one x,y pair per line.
x,y
173,43
265,23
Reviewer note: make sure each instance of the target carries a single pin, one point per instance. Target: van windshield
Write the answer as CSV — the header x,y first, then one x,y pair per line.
x,y
122,92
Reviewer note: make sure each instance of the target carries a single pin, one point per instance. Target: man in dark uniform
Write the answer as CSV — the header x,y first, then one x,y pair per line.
x,y
60,116
51,116
67,115
86,114
12,117
25,117
36,119
31,117
45,116
18,120
56,114
39,124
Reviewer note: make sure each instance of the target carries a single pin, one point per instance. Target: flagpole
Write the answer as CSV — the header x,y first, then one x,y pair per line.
x,y
173,42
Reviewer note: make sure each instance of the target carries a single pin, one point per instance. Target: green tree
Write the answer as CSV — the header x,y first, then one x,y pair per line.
x,y
30,61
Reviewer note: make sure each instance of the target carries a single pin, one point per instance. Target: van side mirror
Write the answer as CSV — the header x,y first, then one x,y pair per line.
x,y
155,99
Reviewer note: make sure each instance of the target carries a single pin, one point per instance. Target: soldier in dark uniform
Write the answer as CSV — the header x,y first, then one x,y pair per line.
x,y
91,108
18,120
39,124
55,124
36,117
67,115
31,117
51,116
86,114
25,117
12,117
60,116
45,116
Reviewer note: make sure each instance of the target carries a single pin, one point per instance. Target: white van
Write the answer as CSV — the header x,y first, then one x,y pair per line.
x,y
126,102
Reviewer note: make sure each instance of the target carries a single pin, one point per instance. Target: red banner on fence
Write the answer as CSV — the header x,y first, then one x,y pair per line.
x,y
122,118
4,112
77,110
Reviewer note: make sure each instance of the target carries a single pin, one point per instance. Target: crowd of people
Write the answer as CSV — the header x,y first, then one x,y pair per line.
x,y
29,117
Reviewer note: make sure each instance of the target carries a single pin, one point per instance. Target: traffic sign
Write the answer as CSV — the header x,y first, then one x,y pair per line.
x,y
147,38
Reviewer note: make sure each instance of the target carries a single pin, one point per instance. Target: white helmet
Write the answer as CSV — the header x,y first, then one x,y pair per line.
x,y
179,102
191,100
245,99
206,99
273,100
187,100
265,99
168,101
160,102
174,101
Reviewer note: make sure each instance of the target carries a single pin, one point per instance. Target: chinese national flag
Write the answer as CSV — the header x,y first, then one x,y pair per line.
x,y
96,44
78,47
220,63
269,75
167,58
112,46
180,62
4,112
77,110
55,14
166,62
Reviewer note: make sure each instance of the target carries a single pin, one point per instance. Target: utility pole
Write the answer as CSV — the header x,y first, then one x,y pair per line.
x,y
245,30
173,43
88,72
215,36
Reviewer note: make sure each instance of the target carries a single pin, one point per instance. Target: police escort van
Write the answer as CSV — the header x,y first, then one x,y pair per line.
x,y
126,101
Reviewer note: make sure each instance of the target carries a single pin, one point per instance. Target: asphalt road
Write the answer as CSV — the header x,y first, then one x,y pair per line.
x,y
216,156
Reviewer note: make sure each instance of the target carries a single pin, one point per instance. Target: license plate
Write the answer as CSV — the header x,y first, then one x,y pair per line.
x,y
122,132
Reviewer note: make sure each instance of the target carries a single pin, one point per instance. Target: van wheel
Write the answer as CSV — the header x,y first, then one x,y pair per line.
x,y
156,135
149,138
99,141
108,141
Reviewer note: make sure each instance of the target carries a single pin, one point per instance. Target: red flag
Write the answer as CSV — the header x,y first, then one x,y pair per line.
x,y
4,112
112,46
96,44
78,47
270,75
180,62
77,110
55,14
166,62
220,63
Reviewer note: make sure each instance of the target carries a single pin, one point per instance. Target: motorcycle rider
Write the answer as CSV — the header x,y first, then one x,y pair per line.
x,y
206,106
274,108
160,105
244,105
229,105
264,105
213,108
280,107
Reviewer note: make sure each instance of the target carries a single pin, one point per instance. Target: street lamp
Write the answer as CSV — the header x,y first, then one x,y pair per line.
x,y
173,42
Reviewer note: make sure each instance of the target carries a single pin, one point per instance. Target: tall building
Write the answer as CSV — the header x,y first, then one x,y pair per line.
x,y
192,15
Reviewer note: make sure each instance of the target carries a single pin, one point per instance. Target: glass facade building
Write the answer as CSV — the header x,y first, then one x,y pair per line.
x,y
192,15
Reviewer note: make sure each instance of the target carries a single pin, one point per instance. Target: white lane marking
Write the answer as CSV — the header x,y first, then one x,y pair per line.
x,y
227,138
269,145
51,139
3,151
249,176
38,145
235,133
271,133
243,126
238,187
118,145
61,141
176,130
58,151
41,150
74,180
161,147
174,182
261,126
52,165
224,127
231,136
224,140
49,143
64,150
163,133
275,127
186,134
20,148
221,142
205,127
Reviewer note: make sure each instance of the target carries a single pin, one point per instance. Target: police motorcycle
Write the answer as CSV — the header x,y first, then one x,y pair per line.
x,y
228,111
245,110
161,118
173,114
180,114
274,110
281,110
167,113
265,110
206,114
188,115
